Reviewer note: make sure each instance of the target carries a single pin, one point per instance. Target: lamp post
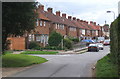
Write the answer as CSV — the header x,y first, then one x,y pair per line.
x,y
112,12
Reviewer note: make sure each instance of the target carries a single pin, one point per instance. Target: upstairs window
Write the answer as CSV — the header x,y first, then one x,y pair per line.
x,y
37,23
44,23
40,23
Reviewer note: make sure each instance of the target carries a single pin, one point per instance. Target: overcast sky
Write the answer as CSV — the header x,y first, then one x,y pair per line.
x,y
89,10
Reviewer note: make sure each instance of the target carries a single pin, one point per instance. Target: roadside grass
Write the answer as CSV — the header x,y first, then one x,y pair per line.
x,y
39,52
8,52
105,68
20,60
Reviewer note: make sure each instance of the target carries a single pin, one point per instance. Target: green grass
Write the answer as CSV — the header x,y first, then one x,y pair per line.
x,y
105,68
20,60
8,52
39,52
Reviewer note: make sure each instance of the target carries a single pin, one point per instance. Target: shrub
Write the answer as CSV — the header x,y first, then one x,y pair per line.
x,y
34,45
55,39
67,43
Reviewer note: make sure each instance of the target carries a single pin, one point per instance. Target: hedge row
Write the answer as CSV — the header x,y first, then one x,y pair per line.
x,y
115,41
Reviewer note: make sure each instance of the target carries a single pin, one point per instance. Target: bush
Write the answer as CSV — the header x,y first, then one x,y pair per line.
x,y
34,45
75,40
67,43
55,39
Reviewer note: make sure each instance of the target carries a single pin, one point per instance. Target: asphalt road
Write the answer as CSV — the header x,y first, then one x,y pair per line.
x,y
74,65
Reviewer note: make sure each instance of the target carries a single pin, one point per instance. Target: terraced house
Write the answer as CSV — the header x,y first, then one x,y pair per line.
x,y
69,26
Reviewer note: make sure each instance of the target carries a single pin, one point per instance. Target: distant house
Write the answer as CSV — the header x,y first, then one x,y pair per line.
x,y
106,30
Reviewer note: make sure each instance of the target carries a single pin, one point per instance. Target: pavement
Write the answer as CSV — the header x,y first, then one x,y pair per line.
x,y
67,65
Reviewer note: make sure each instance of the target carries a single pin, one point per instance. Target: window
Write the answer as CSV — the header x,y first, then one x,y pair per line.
x,y
37,23
44,23
31,37
56,26
40,23
37,38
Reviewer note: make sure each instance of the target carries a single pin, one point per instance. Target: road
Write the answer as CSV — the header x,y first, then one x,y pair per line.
x,y
74,65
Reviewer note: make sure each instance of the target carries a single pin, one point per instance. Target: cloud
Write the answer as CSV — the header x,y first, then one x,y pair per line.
x,y
85,9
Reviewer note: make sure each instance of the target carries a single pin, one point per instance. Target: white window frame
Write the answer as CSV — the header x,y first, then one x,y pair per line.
x,y
40,23
37,24
44,23
56,26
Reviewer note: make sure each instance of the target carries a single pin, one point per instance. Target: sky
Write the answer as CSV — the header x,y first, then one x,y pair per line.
x,y
89,10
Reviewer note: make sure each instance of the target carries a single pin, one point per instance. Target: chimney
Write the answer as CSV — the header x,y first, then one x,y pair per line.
x,y
91,22
81,20
78,20
69,17
58,13
41,7
64,15
74,18
87,22
49,10
94,23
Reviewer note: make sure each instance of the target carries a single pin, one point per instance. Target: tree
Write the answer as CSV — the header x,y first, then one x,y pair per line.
x,y
55,39
17,18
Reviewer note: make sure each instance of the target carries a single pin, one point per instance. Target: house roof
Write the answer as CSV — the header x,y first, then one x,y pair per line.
x,y
85,25
77,24
41,15
93,26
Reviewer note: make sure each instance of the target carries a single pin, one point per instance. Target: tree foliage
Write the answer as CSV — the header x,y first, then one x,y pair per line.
x,y
17,18
55,39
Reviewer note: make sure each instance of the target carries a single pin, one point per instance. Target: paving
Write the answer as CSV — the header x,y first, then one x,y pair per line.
x,y
68,65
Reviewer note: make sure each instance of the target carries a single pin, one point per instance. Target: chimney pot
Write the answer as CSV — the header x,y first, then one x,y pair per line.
x,y
49,10
78,19
58,13
41,7
64,15
69,17
94,23
74,18
91,22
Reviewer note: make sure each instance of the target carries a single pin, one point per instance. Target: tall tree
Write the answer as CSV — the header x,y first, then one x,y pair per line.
x,y
17,18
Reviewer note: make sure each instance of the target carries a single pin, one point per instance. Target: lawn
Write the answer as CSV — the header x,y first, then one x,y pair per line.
x,y
105,68
39,52
20,60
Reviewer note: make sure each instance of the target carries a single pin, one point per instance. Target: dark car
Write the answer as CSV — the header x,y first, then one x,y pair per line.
x,y
93,47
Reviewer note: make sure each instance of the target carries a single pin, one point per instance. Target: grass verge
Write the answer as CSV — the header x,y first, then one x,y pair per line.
x,y
105,68
20,60
39,52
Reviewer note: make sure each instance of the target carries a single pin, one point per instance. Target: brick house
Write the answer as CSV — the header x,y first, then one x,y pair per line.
x,y
47,22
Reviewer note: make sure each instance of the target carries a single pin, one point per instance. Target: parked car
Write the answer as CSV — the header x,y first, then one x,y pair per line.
x,y
93,47
106,42
100,45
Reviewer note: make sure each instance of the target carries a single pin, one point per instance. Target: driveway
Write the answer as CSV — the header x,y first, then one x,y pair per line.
x,y
71,65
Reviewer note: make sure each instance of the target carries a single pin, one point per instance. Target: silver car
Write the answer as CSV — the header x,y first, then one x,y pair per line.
x,y
93,47
100,45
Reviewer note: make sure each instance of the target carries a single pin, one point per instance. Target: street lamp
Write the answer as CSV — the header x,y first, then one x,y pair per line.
x,y
112,12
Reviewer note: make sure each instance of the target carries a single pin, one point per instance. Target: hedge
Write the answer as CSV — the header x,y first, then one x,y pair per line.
x,y
115,41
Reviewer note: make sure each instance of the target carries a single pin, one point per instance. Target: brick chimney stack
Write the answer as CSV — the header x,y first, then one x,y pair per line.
x,y
69,17
78,20
49,10
64,15
91,22
81,20
58,13
41,7
74,18
94,23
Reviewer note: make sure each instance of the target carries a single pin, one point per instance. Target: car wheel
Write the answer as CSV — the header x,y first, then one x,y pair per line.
x,y
102,48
